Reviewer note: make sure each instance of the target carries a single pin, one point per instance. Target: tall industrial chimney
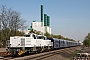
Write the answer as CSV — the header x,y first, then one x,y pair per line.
x,y
42,14
45,19
48,20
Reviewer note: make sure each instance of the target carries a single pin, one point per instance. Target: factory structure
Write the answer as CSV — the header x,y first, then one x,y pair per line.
x,y
44,25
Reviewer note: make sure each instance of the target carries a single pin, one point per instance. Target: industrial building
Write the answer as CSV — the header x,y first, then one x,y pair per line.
x,y
38,26
43,25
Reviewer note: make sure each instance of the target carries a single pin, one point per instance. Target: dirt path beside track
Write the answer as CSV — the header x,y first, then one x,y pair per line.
x,y
2,51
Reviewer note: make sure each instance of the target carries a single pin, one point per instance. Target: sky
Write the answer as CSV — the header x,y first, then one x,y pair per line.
x,y
69,18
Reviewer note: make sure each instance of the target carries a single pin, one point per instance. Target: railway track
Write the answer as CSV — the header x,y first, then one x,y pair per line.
x,y
44,55
6,58
40,56
80,58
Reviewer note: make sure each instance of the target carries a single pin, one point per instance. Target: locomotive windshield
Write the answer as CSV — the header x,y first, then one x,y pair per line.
x,y
27,35
41,37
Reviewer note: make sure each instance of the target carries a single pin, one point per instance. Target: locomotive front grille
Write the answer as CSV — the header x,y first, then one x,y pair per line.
x,y
22,41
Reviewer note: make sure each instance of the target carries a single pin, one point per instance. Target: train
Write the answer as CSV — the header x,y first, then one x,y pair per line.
x,y
33,43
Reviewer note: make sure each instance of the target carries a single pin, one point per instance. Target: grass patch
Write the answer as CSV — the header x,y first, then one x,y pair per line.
x,y
75,53
88,55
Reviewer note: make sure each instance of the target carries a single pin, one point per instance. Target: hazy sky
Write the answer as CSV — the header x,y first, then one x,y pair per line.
x,y
69,18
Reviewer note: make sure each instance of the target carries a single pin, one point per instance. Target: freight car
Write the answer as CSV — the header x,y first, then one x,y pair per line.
x,y
33,43
59,43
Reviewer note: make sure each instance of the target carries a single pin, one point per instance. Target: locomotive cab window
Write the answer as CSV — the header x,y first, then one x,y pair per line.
x,y
41,37
27,35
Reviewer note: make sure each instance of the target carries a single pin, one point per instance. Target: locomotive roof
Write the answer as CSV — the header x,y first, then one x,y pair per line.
x,y
41,35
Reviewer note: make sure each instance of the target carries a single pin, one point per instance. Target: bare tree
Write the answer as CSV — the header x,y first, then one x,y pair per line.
x,y
4,23
10,20
4,17
0,22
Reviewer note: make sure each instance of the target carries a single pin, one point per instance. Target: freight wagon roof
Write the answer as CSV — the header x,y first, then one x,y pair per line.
x,y
52,38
